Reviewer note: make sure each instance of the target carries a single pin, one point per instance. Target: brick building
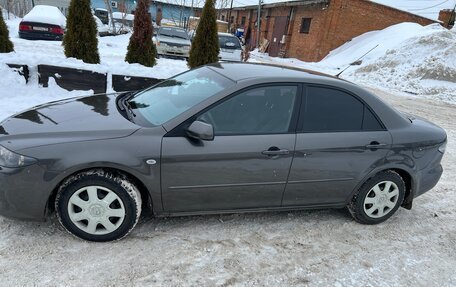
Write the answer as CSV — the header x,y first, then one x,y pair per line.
x,y
447,17
310,29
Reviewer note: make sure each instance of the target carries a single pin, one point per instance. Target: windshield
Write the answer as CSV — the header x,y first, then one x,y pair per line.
x,y
173,32
228,42
174,96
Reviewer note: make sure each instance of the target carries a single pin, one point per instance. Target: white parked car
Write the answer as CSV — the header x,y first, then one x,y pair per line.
x,y
230,48
103,30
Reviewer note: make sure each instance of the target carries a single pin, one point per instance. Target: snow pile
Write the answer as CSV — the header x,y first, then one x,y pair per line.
x,y
46,14
406,57
16,95
112,51
377,42
422,65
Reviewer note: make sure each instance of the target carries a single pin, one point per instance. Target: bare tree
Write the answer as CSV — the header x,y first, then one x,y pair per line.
x,y
125,7
109,8
17,7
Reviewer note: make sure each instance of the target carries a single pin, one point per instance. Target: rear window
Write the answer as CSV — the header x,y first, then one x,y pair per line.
x,y
330,110
173,32
228,42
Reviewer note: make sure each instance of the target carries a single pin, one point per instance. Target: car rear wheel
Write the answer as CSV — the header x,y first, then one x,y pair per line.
x,y
378,198
98,206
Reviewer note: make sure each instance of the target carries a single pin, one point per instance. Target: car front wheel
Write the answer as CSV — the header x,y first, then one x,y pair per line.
x,y
378,198
98,205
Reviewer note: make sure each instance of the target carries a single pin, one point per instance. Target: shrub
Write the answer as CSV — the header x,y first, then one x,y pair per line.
x,y
80,40
6,45
205,45
141,49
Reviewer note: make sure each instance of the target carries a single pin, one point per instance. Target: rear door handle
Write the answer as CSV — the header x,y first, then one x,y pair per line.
x,y
272,151
375,144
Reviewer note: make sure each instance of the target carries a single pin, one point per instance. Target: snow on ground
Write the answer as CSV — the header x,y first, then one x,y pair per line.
x,y
16,96
32,53
307,248
406,58
112,53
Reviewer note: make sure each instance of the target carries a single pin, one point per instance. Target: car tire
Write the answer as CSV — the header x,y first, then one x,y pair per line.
x,y
98,205
378,198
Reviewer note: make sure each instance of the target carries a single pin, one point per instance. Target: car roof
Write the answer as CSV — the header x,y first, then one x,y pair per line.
x,y
242,71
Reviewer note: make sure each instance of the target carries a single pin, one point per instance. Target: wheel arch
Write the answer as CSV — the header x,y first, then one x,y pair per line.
x,y
404,172
147,202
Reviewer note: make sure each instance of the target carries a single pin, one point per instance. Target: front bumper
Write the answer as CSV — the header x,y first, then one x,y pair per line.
x,y
173,51
23,192
40,36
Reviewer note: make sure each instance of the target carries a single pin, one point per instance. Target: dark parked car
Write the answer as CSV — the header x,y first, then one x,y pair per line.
x,y
222,138
43,23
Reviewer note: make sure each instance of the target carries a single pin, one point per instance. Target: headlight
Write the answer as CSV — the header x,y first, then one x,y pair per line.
x,y
442,148
11,159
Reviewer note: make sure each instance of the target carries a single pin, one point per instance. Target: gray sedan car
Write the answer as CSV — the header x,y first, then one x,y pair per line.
x,y
222,138
172,41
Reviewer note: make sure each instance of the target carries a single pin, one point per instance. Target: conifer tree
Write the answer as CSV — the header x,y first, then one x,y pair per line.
x,y
205,45
141,49
6,45
80,40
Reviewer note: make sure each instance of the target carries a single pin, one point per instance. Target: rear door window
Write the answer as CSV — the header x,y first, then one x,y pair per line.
x,y
331,110
227,42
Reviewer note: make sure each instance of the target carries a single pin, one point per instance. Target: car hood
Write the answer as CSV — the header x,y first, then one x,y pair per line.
x,y
173,40
76,119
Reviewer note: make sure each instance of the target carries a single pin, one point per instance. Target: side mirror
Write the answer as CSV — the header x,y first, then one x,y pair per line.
x,y
201,130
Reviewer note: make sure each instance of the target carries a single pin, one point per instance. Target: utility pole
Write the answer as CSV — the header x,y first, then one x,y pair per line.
x,y
181,13
191,15
451,17
258,24
109,8
229,17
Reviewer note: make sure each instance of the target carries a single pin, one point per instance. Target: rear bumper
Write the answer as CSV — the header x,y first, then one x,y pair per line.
x,y
231,57
40,36
428,178
23,193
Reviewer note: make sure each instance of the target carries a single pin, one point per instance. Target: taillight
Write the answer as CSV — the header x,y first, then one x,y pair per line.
x,y
23,27
442,148
56,30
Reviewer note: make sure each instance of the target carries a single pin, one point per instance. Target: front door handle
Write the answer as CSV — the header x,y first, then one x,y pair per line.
x,y
375,144
272,151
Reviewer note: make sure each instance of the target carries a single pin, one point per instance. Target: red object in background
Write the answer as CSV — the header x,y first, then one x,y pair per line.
x,y
23,27
56,30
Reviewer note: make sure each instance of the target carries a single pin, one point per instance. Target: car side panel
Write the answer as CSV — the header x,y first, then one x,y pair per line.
x,y
228,173
328,166
129,154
